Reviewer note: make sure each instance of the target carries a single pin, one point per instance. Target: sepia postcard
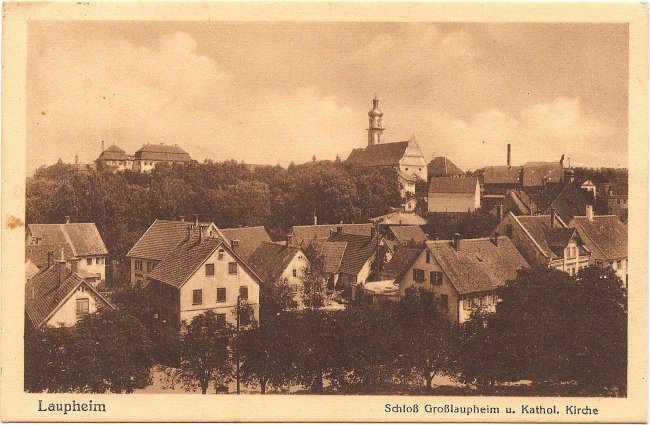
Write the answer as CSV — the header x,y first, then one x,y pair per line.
x,y
324,212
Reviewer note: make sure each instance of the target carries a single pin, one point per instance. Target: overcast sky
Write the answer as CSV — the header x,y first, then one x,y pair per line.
x,y
281,92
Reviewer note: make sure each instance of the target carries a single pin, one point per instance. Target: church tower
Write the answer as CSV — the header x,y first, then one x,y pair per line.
x,y
375,129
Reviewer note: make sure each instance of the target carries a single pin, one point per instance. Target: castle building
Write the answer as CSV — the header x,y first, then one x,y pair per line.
x,y
405,157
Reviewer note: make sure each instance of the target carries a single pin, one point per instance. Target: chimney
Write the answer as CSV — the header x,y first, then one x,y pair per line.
x,y
196,219
508,155
289,239
234,243
373,232
62,270
50,259
552,217
456,241
495,239
500,210
76,159
590,212
74,264
315,219
202,229
339,230
67,219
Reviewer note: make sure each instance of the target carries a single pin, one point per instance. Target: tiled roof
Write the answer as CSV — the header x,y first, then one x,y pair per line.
x,y
160,239
535,173
271,259
441,166
479,265
358,251
520,203
382,154
453,185
332,254
399,217
571,201
250,238
304,235
605,234
162,153
77,240
44,294
501,174
558,238
408,233
402,259
30,269
537,227
113,153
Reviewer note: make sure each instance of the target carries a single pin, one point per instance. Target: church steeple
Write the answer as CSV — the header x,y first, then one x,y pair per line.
x,y
375,129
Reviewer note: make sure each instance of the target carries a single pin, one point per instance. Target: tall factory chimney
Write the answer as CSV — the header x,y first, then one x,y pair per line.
x,y
508,154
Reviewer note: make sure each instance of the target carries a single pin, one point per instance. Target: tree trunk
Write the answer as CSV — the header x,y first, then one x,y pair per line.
x,y
204,389
263,386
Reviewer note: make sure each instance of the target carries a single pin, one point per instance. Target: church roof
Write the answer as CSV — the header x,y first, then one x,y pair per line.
x,y
382,154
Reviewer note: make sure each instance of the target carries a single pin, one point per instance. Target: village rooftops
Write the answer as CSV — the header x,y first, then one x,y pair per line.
x,y
501,174
441,166
76,239
405,234
453,185
539,173
248,239
402,259
332,254
162,237
604,235
304,235
47,291
358,250
381,154
399,218
162,152
270,260
478,265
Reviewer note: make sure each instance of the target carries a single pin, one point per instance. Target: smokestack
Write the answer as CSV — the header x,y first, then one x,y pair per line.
x,y
67,219
182,218
590,212
196,219
495,239
552,217
74,264
76,159
500,212
456,241
103,146
315,219
508,154
50,259
289,239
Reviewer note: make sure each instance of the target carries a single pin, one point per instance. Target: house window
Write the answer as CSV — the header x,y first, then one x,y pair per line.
x,y
418,275
232,268
295,272
220,254
197,296
466,304
221,320
138,265
618,264
444,300
89,261
435,278
428,256
209,269
97,260
103,260
221,295
83,306
243,293
294,288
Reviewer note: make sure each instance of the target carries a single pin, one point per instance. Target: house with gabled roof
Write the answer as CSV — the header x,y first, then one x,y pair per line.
x,y
59,296
606,237
454,194
403,235
245,240
201,273
146,158
276,262
463,274
441,166
114,159
546,241
159,240
78,240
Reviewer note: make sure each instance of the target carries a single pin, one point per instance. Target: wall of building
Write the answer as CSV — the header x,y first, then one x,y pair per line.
x,y
454,202
209,285
67,314
486,302
299,263
97,266
140,276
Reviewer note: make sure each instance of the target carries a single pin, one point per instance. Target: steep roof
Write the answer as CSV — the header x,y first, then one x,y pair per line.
x,y
76,239
304,235
358,251
538,226
332,254
441,166
161,238
402,259
535,173
44,295
571,201
408,233
520,203
250,238
605,234
382,154
271,259
453,185
501,174
114,153
162,153
479,265
399,217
